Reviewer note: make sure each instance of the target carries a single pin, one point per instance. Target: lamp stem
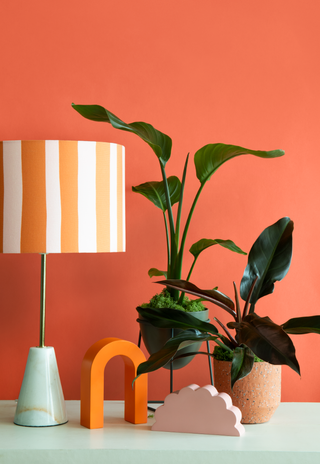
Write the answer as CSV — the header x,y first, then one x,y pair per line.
x,y
43,298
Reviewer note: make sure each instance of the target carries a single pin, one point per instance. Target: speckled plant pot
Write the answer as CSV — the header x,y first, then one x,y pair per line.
x,y
257,395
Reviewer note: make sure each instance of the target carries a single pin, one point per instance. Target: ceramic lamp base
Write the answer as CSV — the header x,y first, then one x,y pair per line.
x,y
41,402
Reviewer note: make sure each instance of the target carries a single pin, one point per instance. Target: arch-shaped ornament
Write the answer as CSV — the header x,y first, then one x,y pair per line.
x,y
92,382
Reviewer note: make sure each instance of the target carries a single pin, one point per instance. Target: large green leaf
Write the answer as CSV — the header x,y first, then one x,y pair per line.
x,y
269,259
214,296
155,192
210,157
175,319
160,143
204,243
267,340
302,325
160,359
242,364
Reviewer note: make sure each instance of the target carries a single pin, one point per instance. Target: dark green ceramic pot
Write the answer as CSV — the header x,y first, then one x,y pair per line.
x,y
154,338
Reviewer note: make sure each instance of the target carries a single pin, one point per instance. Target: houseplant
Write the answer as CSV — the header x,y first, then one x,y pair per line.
x,y
268,261
170,190
154,337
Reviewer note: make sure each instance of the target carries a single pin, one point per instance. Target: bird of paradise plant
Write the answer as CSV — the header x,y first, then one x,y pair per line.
x,y
170,190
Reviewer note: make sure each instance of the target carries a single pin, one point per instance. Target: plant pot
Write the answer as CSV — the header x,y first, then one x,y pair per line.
x,y
257,395
154,338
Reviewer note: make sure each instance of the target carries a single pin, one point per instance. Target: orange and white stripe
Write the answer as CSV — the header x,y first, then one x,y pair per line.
x,y
61,197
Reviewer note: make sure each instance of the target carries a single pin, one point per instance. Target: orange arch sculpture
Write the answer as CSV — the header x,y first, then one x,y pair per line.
x,y
92,382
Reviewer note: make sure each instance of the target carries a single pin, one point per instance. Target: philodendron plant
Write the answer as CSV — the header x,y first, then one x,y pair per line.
x,y
169,191
268,261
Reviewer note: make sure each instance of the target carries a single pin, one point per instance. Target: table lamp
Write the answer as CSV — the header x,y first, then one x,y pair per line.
x,y
57,197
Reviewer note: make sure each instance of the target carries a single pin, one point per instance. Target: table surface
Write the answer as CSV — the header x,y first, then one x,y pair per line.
x,y
291,436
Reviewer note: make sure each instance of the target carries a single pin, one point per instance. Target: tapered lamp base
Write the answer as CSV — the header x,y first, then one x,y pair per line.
x,y
41,402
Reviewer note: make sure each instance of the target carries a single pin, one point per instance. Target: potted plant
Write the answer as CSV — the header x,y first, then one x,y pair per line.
x,y
169,191
155,338
268,261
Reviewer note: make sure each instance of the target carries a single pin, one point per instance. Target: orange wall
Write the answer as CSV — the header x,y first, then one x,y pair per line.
x,y
241,72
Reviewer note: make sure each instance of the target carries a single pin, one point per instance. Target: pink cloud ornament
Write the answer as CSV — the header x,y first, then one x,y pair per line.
x,y
199,410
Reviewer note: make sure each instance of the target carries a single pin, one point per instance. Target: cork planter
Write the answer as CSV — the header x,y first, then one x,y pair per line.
x,y
257,395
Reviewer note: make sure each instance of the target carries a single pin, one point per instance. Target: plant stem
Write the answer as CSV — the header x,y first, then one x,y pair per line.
x,y
168,242
246,306
233,341
173,249
187,279
191,269
170,215
186,227
178,221
236,297
252,306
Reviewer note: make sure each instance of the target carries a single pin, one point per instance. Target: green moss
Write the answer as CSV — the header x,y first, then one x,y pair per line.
x,y
223,355
165,300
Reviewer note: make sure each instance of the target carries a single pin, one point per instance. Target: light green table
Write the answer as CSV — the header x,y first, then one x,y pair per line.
x,y
292,436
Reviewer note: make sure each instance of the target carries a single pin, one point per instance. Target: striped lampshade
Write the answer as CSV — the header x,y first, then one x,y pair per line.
x,y
61,197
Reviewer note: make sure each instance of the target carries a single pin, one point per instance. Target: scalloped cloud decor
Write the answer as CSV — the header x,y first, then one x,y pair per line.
x,y
199,410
